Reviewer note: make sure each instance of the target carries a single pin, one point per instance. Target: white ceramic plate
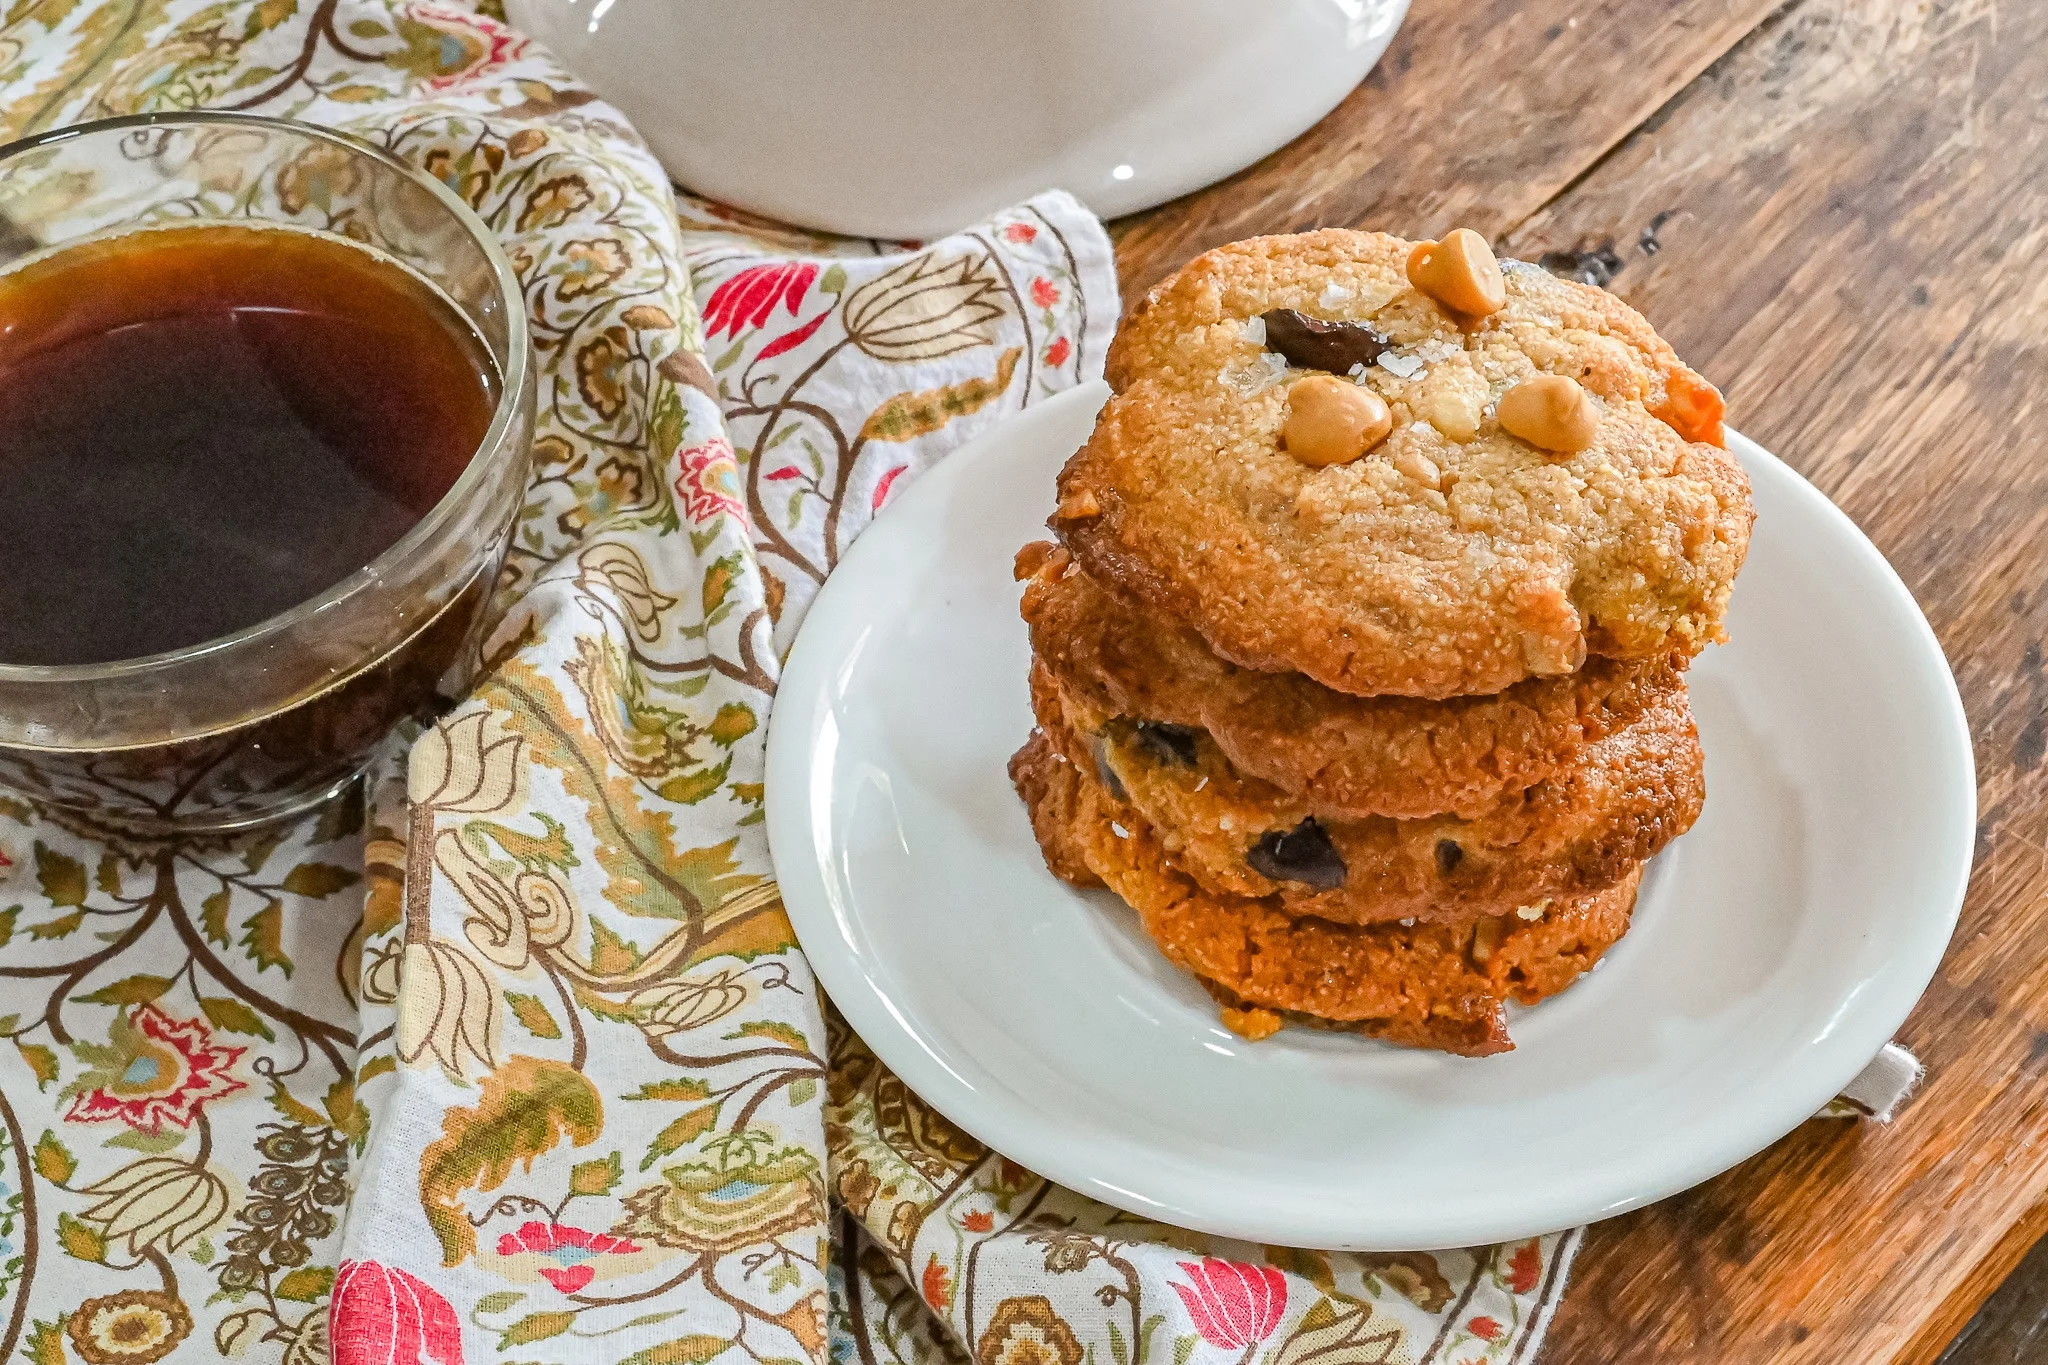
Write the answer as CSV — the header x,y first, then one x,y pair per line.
x,y
1776,947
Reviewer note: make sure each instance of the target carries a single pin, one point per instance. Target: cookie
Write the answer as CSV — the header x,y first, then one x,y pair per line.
x,y
1432,985
1579,832
1342,756
1449,558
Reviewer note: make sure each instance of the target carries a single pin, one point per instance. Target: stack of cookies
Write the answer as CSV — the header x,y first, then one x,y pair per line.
x,y
1357,663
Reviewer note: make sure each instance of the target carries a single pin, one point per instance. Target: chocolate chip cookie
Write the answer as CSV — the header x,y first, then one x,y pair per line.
x,y
1428,985
1451,556
1578,832
1342,756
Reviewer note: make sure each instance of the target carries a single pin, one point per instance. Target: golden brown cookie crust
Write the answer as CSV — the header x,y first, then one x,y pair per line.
x,y
1432,985
1341,756
1620,802
1451,559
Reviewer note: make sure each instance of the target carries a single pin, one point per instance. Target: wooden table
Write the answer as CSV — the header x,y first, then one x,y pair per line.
x,y
1838,211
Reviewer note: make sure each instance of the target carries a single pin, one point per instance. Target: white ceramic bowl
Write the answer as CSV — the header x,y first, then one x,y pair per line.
x,y
912,118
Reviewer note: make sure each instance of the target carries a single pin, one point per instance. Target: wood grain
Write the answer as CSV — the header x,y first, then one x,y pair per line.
x,y
2012,1327
1479,113
1845,224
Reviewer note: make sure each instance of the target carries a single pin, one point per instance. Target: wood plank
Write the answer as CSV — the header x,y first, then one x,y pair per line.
x,y
1479,113
1845,224
2012,1327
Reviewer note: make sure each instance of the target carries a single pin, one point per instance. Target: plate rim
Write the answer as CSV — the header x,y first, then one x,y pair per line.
x,y
1035,1143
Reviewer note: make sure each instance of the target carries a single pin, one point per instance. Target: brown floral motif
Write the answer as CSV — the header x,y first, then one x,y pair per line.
x,y
923,1136
304,1175
743,1194
552,451
317,177
925,308
553,203
1026,1331
678,1006
1066,1249
621,482
857,1187
904,1223
601,372
133,1327
591,266
1413,1274
157,1201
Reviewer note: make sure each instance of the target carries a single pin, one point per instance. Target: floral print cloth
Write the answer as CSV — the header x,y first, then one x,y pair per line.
x,y
510,1055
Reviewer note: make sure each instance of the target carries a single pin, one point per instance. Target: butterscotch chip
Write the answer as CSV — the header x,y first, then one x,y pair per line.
x,y
1331,421
1551,412
1410,984
1618,803
1459,272
1342,757
1515,563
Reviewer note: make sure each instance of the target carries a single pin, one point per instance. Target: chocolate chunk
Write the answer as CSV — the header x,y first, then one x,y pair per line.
x,y
1168,743
1319,344
1302,854
1596,265
1448,855
1107,773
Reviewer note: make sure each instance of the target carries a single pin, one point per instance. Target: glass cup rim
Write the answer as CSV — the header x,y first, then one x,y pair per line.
x,y
505,413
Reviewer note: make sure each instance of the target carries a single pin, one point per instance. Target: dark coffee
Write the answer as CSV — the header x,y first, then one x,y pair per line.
x,y
201,427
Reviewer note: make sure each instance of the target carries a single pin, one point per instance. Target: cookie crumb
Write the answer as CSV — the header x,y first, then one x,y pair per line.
x,y
1252,1025
1079,506
1036,556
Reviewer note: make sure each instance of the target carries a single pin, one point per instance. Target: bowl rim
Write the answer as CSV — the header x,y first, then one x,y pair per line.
x,y
506,412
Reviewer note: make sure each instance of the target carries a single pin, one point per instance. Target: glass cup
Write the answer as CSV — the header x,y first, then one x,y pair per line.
x,y
273,719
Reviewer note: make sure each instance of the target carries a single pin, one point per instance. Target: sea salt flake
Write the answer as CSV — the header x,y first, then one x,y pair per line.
x,y
1248,377
1119,830
1254,331
1402,366
1334,295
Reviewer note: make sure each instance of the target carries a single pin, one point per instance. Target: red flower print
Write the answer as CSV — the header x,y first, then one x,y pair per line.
x,y
569,1251
710,481
788,471
1044,292
1524,1267
1020,233
1234,1304
979,1220
1485,1328
882,488
381,1316
157,1070
5,861
746,300
938,1291
794,338
1057,353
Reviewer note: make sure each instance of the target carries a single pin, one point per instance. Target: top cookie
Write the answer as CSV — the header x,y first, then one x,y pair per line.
x,y
1451,557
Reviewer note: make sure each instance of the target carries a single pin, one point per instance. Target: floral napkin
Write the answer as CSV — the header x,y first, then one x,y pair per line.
x,y
510,1055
